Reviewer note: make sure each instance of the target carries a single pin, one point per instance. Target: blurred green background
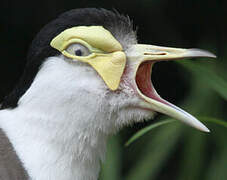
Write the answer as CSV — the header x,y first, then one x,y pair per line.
x,y
173,150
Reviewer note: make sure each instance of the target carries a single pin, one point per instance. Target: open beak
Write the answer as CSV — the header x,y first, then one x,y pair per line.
x,y
141,58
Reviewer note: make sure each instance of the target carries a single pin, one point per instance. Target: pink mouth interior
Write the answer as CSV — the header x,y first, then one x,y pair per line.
x,y
144,84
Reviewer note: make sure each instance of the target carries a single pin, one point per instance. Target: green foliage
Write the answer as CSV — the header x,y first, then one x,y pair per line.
x,y
147,129
156,153
206,74
166,121
111,167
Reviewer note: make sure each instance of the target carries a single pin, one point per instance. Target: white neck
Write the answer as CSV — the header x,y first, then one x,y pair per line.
x,y
57,129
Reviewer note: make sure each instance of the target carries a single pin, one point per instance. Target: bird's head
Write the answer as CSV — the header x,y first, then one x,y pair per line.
x,y
92,55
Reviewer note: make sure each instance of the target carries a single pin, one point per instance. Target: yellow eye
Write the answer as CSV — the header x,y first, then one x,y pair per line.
x,y
77,49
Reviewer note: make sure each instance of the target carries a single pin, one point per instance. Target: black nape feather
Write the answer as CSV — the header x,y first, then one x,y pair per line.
x,y
40,49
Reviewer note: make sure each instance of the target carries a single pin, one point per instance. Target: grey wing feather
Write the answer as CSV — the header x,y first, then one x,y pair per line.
x,y
10,166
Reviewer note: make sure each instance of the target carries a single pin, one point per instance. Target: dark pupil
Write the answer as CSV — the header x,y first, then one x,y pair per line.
x,y
78,52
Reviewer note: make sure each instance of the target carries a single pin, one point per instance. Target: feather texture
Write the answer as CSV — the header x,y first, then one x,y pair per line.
x,y
60,127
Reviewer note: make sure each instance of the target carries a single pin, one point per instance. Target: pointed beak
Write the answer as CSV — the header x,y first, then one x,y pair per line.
x,y
141,59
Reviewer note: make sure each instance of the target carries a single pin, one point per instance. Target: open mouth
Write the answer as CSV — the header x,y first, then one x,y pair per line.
x,y
145,86
144,83
154,102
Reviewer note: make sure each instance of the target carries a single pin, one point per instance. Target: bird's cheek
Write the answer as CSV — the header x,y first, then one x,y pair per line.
x,y
110,67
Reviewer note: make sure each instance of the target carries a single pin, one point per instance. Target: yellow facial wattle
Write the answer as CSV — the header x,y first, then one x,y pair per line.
x,y
106,53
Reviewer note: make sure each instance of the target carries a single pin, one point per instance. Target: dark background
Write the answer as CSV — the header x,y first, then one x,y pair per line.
x,y
178,23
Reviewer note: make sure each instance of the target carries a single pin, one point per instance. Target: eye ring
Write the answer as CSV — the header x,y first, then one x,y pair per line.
x,y
77,49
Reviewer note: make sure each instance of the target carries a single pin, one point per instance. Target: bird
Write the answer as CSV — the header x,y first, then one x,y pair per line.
x,y
86,77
